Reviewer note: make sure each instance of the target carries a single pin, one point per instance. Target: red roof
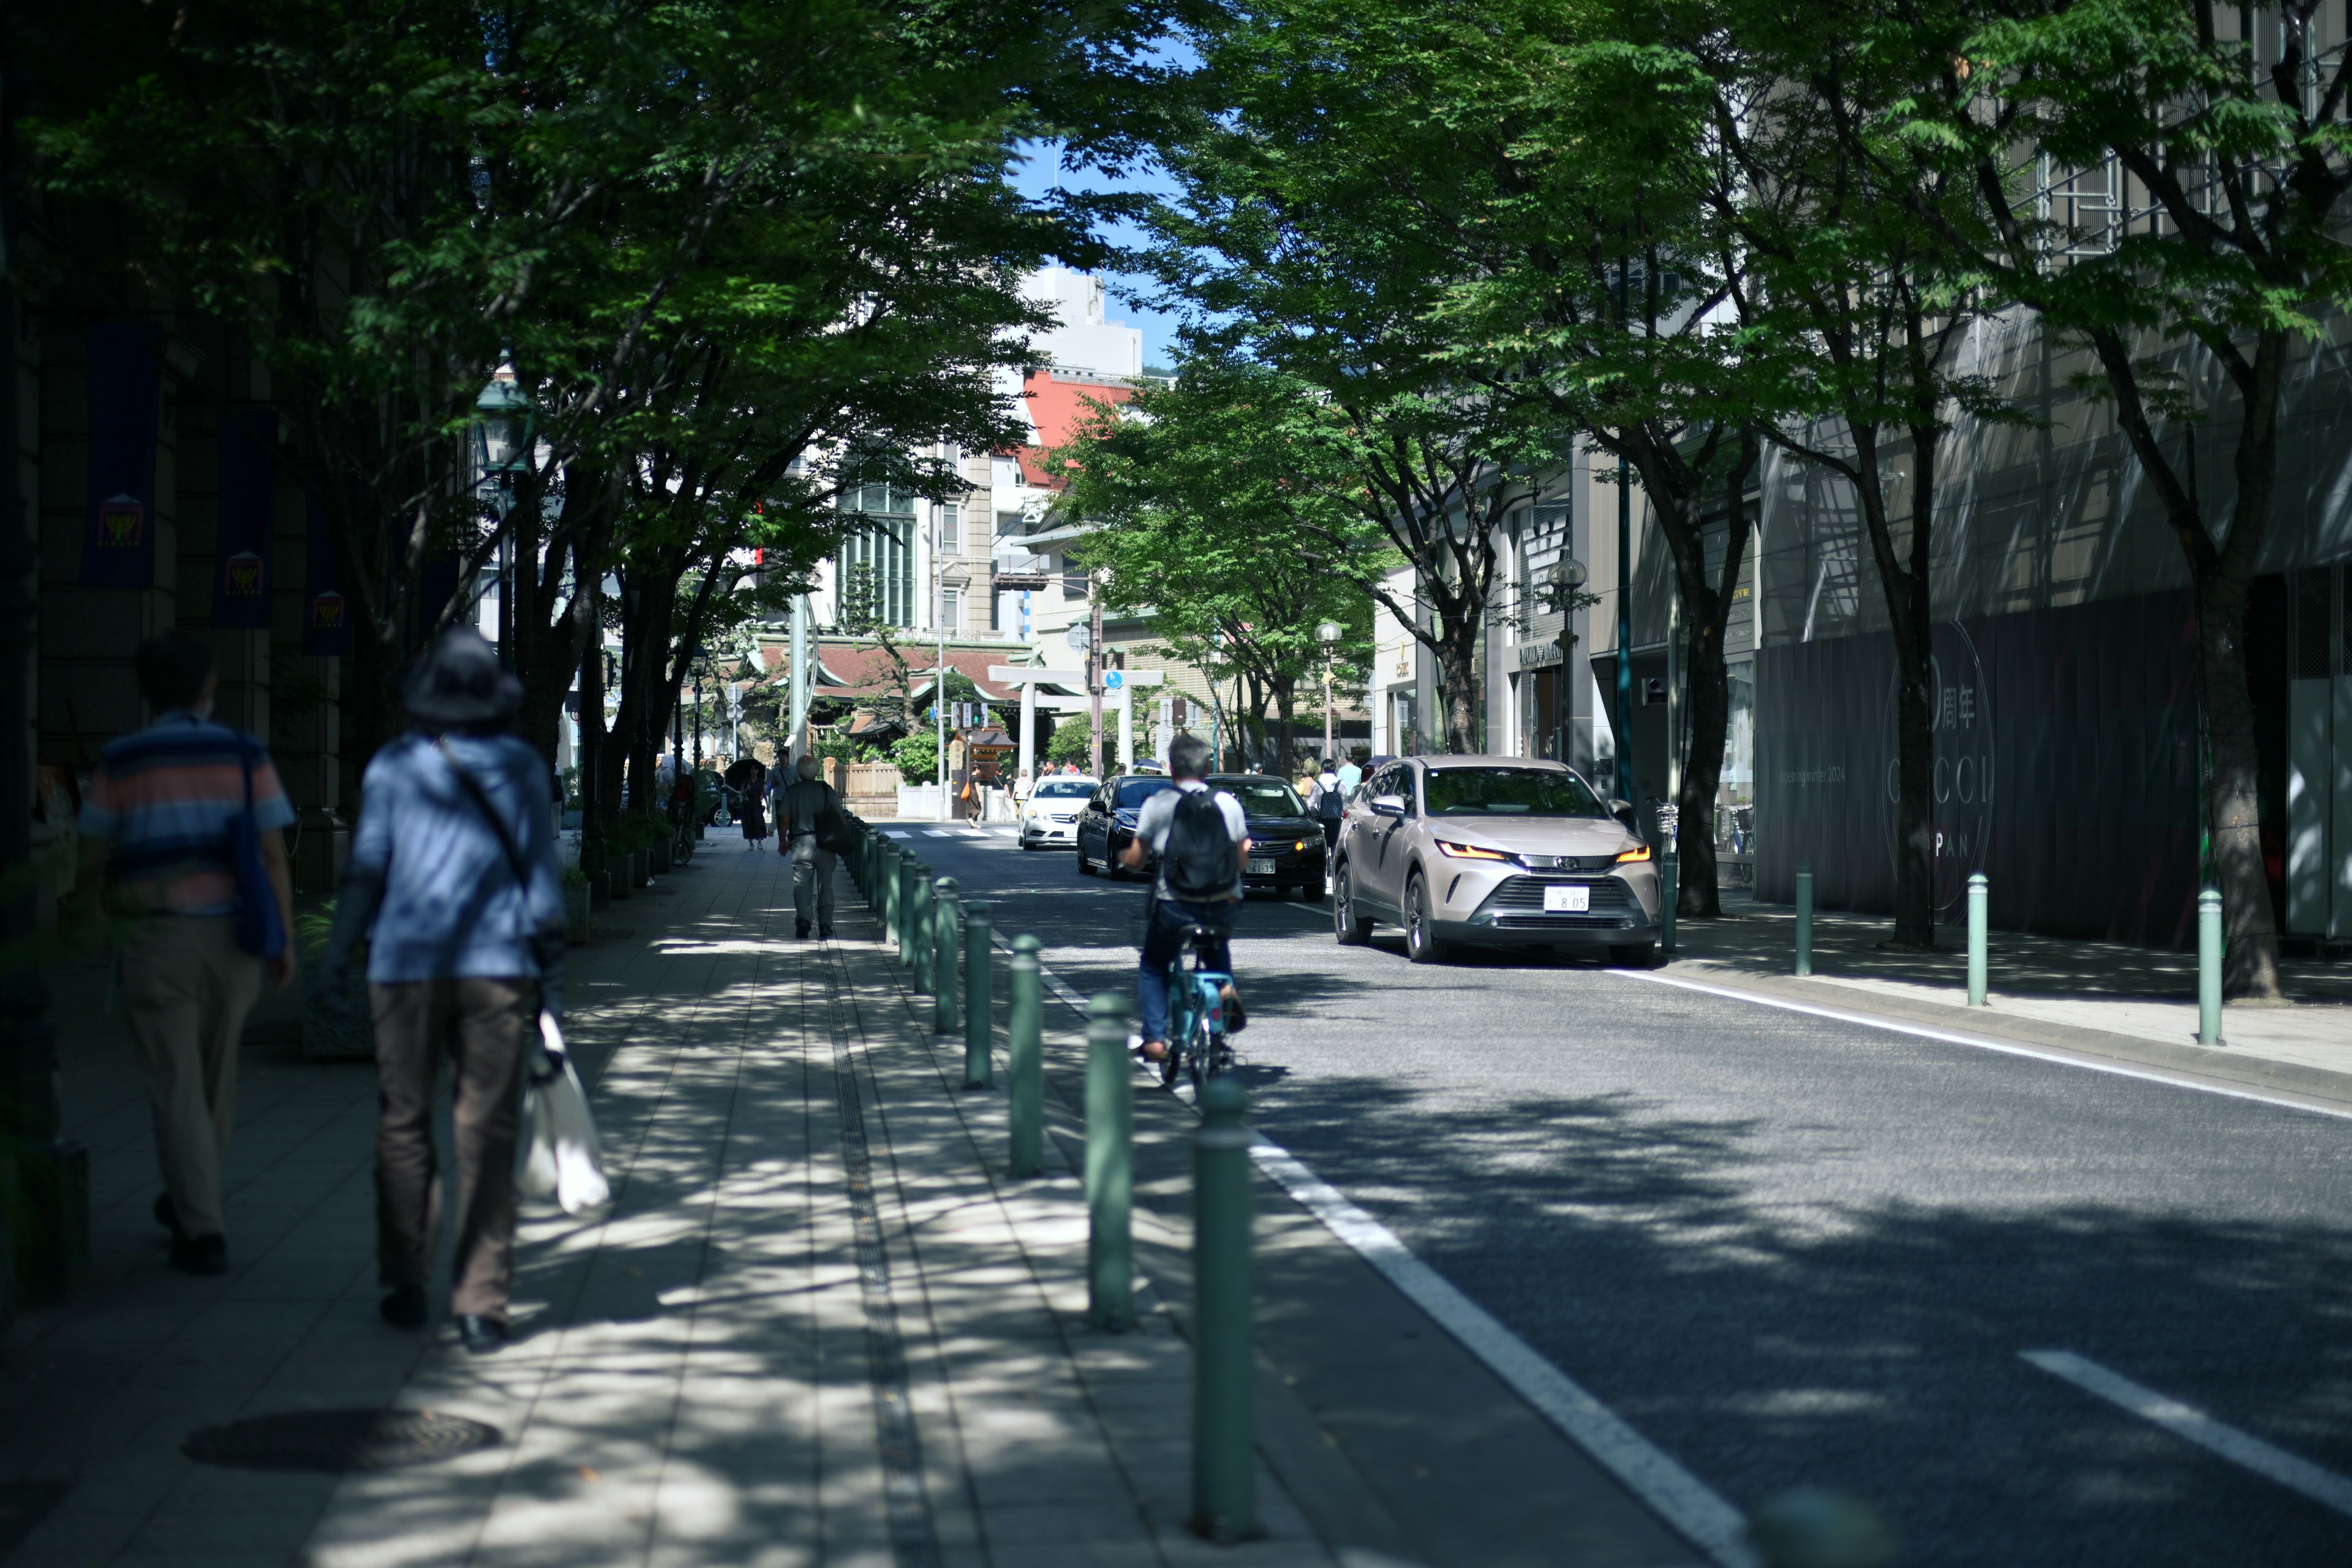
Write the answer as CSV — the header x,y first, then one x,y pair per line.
x,y
1058,408
857,670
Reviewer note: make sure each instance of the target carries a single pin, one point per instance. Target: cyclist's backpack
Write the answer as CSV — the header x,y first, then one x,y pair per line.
x,y
1199,862
1329,807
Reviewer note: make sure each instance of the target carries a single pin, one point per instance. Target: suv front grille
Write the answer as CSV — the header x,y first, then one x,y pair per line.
x,y
1518,905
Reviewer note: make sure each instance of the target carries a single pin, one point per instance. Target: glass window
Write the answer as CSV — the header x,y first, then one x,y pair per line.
x,y
1133,793
1508,792
950,610
1262,796
951,530
1065,789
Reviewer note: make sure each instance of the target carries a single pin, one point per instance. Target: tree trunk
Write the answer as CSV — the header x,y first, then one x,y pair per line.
x,y
1457,658
1906,594
2232,800
1285,699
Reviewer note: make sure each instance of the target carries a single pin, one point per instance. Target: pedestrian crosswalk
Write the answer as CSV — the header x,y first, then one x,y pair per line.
x,y
996,831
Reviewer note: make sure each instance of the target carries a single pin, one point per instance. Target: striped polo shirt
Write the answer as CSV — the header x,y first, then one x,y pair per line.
x,y
164,797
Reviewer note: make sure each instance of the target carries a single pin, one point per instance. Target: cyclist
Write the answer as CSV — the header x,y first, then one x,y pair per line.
x,y
1202,839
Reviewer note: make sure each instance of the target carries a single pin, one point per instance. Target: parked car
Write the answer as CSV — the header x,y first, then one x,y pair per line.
x,y
1108,825
1287,847
1050,814
1492,851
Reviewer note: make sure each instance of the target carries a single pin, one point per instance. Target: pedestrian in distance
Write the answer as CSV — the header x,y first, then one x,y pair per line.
x,y
755,810
159,818
1351,776
799,808
1329,804
453,883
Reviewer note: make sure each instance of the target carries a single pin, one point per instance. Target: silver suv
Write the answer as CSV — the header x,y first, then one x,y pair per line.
x,y
1492,851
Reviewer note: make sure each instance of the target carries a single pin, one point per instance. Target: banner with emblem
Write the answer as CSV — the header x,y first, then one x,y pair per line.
x,y
126,408
244,558
326,612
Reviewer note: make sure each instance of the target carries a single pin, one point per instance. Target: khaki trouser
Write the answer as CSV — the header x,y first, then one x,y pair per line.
x,y
187,987
483,1024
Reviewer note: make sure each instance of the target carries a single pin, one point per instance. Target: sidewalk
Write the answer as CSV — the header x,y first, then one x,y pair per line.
x,y
2102,998
817,1327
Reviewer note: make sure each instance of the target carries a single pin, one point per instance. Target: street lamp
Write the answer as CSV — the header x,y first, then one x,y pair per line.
x,y
1329,634
501,446
1566,578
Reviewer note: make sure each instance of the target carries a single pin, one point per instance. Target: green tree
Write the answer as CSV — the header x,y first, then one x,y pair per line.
x,y
1204,519
2227,132
1301,251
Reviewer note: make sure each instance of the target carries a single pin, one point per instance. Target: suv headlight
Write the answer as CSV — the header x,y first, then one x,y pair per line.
x,y
1639,852
1467,851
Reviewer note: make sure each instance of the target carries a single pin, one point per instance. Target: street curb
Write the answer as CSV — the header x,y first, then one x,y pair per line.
x,y
2288,1082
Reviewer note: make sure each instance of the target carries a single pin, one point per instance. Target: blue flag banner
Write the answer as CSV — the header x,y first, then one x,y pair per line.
x,y
326,611
245,555
126,407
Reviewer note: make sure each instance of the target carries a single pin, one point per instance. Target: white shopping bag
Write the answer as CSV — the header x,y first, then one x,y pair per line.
x,y
557,1156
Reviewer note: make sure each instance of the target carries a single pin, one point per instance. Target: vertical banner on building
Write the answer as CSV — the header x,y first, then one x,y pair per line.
x,y
126,409
326,612
245,564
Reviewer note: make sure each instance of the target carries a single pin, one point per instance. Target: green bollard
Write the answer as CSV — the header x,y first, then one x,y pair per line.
x,y
978,1010
2208,967
1805,918
925,929
886,904
1110,1165
1025,1058
903,924
945,924
1980,892
1669,880
1224,1413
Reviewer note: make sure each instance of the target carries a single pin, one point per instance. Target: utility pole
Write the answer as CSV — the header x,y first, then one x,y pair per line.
x,y
1624,601
796,727
1094,672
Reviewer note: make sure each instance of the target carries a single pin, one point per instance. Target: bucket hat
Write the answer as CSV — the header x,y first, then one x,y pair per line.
x,y
458,681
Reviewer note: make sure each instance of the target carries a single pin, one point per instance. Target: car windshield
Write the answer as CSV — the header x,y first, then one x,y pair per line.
x,y
1509,792
1262,796
1059,789
1133,793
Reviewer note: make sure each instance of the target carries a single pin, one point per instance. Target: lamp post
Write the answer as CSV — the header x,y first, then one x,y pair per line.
x,y
1566,578
1329,634
501,442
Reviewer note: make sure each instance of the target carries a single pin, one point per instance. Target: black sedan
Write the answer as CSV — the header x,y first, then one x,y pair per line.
x,y
1286,844
1108,825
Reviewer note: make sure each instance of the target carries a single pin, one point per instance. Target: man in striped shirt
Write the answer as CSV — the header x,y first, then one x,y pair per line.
x,y
157,817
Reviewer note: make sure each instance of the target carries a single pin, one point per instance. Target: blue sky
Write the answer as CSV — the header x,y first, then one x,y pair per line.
x,y
1043,174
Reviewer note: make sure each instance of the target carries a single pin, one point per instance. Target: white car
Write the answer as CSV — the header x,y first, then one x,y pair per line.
x,y
1050,814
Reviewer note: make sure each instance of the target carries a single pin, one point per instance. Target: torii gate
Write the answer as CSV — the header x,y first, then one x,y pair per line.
x,y
1122,682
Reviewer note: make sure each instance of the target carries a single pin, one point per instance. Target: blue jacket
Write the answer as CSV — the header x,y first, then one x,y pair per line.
x,y
451,903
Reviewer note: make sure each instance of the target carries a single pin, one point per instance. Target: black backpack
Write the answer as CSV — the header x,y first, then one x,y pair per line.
x,y
1199,862
1329,807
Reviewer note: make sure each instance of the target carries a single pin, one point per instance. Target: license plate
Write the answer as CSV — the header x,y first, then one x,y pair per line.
x,y
1261,868
1567,901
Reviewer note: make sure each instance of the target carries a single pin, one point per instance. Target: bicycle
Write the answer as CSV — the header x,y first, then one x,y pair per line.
x,y
1197,1044
681,838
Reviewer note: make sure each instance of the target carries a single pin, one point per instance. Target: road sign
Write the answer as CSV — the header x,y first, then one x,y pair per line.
x,y
1114,679
1076,638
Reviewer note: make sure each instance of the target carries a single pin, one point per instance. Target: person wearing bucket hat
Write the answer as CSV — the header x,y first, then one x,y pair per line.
x,y
453,883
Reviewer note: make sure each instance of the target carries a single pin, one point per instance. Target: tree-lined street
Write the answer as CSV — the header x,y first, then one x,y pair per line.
x,y
1793,1251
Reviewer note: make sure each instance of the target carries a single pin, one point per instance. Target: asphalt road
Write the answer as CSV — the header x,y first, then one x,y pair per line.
x,y
1795,1251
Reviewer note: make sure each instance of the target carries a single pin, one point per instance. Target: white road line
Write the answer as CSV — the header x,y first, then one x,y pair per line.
x,y
1681,1499
2192,1424
896,833
1978,1042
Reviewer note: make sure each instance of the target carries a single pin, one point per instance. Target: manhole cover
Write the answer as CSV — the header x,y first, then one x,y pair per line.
x,y
336,1440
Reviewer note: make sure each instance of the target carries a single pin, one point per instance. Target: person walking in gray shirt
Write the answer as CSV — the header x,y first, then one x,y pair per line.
x,y
453,882
798,806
